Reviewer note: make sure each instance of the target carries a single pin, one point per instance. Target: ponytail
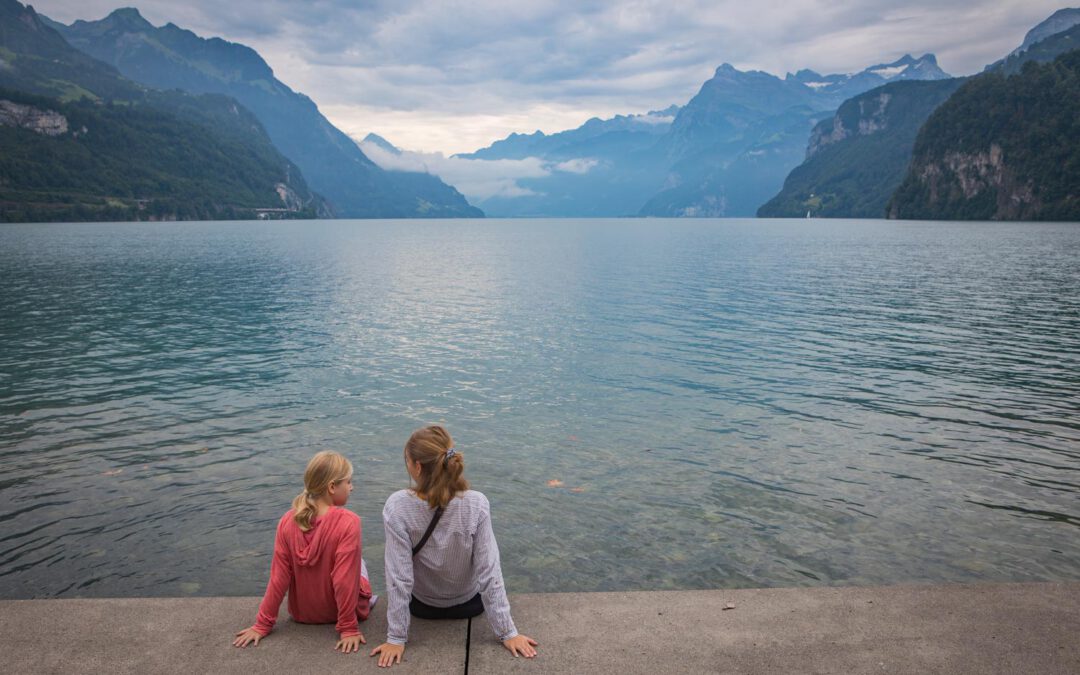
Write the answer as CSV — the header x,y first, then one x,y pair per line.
x,y
441,465
303,510
325,469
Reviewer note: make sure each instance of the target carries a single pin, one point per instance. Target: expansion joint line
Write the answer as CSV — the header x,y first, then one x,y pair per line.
x,y
468,643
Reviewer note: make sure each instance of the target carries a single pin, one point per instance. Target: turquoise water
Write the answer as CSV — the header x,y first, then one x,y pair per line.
x,y
647,403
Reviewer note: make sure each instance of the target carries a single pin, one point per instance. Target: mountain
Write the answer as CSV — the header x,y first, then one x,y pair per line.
x,y
381,142
1003,147
1058,22
733,144
37,59
605,167
170,57
856,159
733,100
841,87
733,177
724,153
81,142
622,130
1047,49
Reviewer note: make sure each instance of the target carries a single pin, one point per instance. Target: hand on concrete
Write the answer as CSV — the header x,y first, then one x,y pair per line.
x,y
523,644
389,654
350,644
246,636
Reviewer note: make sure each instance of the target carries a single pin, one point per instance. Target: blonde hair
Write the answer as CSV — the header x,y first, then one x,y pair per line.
x,y
325,469
440,475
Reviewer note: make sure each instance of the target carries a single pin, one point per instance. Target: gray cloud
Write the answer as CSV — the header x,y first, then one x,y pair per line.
x,y
459,75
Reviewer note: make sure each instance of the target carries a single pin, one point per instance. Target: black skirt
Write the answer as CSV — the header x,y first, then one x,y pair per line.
x,y
466,610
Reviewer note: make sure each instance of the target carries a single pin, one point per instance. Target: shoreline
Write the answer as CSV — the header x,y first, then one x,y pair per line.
x,y
976,628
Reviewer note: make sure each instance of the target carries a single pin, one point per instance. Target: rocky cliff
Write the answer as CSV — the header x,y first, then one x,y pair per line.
x,y
44,122
1001,148
870,119
969,176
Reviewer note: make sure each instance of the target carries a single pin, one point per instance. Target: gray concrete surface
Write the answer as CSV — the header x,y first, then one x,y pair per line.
x,y
999,628
985,628
194,635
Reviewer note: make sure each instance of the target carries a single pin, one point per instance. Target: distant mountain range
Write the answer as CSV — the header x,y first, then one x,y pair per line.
x,y
170,57
602,168
722,154
845,86
737,139
566,144
81,142
733,100
119,119
858,159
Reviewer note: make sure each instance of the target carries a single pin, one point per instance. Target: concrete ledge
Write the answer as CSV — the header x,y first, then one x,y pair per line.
x,y
999,628
193,635
983,628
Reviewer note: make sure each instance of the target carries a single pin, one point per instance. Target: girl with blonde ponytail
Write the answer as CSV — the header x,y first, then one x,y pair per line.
x,y
317,559
442,561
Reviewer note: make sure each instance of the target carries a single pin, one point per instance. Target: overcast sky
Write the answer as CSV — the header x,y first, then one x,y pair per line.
x,y
455,76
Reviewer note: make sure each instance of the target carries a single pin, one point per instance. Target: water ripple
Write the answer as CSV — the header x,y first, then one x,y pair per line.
x,y
721,403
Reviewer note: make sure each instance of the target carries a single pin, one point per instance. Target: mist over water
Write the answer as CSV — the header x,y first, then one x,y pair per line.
x,y
647,403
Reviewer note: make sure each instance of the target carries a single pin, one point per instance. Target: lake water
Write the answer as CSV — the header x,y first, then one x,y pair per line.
x,y
647,403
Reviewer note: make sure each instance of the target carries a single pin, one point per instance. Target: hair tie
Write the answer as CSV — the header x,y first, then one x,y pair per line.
x,y
449,453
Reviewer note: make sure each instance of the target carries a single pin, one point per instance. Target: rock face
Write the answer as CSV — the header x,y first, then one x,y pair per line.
x,y
970,176
871,119
44,122
289,198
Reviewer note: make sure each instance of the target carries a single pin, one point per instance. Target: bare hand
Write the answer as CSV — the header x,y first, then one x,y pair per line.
x,y
350,644
388,654
521,643
246,636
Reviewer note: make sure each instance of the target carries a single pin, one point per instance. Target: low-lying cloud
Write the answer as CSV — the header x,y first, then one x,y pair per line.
x,y
477,179
578,166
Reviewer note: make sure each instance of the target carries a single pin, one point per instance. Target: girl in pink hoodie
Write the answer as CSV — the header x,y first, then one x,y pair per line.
x,y
317,559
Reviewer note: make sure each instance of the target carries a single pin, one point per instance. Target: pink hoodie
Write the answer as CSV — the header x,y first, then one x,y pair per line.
x,y
320,569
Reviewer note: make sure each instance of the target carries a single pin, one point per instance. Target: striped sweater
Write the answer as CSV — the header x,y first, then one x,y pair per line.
x,y
460,560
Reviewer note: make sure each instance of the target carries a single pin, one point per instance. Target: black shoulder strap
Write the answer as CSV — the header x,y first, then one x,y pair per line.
x,y
427,533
